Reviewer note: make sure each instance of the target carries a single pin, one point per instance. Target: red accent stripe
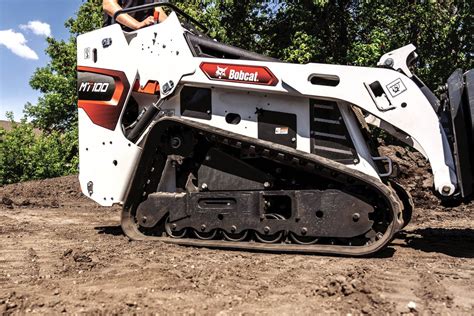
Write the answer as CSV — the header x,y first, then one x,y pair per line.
x,y
106,113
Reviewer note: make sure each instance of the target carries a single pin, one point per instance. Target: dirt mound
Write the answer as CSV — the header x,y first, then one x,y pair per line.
x,y
414,174
42,193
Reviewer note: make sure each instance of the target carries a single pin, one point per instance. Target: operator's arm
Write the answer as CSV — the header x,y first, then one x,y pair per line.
x,y
163,15
112,6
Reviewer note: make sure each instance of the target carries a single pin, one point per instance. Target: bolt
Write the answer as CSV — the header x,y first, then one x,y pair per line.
x,y
208,158
446,190
388,62
144,219
175,142
355,217
266,185
173,227
204,186
233,228
266,229
378,236
293,140
304,230
356,161
203,227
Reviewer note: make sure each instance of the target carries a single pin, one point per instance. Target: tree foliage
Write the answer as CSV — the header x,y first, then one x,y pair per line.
x,y
441,31
57,108
26,153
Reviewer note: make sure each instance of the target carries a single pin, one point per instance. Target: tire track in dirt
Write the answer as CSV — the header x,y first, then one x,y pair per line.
x,y
441,293
399,287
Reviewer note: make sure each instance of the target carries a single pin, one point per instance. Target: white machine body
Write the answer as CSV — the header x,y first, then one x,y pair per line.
x,y
160,54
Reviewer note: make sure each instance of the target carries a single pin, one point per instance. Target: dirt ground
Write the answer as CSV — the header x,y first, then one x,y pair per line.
x,y
61,253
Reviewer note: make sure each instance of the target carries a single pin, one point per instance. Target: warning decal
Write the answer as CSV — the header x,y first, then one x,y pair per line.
x,y
396,87
281,130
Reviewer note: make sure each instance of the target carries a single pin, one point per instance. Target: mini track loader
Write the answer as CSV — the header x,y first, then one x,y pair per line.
x,y
209,145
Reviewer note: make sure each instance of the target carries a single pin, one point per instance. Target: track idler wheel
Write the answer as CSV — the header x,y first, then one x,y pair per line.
x,y
303,240
269,239
235,237
205,235
171,232
273,238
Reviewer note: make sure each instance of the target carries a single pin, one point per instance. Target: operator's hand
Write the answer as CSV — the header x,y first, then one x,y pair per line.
x,y
148,21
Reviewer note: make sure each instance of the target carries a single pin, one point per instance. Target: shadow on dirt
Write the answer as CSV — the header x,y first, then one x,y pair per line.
x,y
110,230
453,242
387,252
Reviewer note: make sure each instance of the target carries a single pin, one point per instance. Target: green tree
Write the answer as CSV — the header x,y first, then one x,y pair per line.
x,y
441,31
56,109
27,153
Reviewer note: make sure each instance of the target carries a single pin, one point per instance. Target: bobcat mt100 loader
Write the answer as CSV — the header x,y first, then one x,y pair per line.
x,y
209,145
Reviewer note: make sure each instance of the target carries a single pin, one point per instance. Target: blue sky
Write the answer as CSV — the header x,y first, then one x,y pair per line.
x,y
27,20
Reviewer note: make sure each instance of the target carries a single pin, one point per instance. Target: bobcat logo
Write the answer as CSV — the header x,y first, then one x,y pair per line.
x,y
220,72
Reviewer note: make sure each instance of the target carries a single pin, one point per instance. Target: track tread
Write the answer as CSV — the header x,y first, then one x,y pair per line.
x,y
284,154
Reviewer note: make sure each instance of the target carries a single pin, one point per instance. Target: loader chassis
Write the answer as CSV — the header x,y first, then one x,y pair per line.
x,y
209,145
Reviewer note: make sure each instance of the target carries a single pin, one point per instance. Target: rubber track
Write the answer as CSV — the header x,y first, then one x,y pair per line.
x,y
304,160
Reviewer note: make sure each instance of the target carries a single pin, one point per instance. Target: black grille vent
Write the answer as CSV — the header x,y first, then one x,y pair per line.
x,y
329,135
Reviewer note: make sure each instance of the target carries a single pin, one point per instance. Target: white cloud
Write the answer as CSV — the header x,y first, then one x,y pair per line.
x,y
37,27
16,42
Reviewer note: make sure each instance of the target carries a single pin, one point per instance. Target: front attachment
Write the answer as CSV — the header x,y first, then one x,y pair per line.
x,y
457,117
